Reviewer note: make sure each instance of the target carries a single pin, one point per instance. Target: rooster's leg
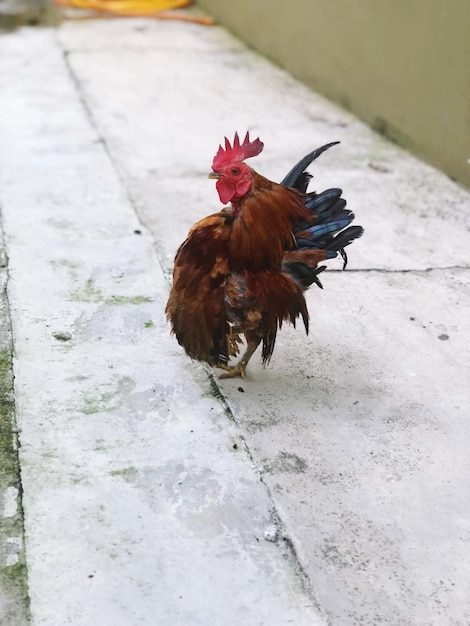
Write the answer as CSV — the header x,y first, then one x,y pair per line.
x,y
253,341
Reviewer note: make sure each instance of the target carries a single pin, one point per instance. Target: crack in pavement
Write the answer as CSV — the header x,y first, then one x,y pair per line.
x,y
14,592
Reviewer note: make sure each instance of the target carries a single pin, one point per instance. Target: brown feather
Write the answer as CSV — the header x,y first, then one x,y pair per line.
x,y
196,303
227,277
263,228
311,258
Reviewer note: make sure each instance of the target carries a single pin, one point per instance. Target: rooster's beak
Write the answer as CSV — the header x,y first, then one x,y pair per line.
x,y
215,175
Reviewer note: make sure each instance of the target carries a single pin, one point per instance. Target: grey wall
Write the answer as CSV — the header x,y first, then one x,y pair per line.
x,y
403,66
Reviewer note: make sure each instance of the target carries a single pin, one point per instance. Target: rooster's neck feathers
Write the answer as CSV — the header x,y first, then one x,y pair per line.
x,y
263,221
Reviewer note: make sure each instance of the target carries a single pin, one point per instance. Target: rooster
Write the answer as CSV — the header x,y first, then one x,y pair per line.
x,y
243,270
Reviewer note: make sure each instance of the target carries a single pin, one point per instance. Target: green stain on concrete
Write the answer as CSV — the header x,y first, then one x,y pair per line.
x,y
127,300
14,608
106,397
88,293
8,455
91,293
65,263
126,472
14,598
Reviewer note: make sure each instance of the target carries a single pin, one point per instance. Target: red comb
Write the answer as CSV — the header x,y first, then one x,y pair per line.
x,y
237,152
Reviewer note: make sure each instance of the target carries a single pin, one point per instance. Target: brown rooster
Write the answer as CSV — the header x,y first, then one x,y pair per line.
x,y
244,269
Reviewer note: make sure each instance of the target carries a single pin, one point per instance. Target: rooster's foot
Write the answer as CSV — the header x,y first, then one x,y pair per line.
x,y
233,372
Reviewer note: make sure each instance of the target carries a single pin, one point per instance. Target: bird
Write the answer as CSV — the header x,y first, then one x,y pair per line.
x,y
242,271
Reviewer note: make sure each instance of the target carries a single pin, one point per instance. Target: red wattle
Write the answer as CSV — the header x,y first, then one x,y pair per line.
x,y
226,192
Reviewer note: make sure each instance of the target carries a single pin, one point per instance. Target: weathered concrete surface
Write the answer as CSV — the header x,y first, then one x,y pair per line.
x,y
142,505
360,431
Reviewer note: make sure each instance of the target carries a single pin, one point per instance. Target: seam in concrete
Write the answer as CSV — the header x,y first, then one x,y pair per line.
x,y
284,542
140,50
18,601
381,270
102,139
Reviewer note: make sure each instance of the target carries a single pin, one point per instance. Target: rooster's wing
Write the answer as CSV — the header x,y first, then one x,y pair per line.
x,y
196,306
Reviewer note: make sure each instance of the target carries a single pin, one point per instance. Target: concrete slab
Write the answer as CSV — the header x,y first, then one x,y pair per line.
x,y
359,432
142,504
365,450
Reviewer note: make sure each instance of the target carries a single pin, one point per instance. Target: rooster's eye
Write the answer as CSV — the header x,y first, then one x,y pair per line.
x,y
235,171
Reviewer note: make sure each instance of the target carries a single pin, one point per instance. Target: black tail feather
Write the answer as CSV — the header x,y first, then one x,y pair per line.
x,y
296,175
303,274
344,238
302,182
321,203
324,230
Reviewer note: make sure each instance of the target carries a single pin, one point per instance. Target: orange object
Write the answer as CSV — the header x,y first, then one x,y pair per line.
x,y
138,8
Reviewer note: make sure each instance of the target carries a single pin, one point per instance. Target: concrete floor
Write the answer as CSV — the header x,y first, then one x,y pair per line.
x,y
147,485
